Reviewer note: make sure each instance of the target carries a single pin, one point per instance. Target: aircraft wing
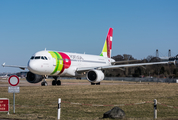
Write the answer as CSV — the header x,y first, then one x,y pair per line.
x,y
121,66
15,66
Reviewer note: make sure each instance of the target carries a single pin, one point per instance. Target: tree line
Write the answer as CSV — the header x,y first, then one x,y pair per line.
x,y
160,71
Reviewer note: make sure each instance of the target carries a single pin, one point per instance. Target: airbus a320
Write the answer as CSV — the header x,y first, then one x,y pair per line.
x,y
64,64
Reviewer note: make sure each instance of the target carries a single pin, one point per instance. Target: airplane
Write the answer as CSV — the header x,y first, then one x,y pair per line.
x,y
4,76
65,64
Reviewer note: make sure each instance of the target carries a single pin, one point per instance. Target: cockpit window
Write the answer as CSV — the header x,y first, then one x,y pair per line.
x,y
42,57
45,58
39,57
32,57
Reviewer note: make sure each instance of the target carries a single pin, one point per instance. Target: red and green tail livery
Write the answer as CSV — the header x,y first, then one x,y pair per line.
x,y
106,52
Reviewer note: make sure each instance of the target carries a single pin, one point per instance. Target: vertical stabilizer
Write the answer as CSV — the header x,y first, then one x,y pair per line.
x,y
106,52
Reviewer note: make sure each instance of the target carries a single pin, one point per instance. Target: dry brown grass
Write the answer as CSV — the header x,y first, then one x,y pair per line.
x,y
41,102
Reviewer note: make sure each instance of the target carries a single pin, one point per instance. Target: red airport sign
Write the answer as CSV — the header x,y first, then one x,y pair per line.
x,y
13,80
4,105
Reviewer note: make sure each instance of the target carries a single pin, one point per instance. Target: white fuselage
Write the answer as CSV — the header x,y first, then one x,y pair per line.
x,y
54,63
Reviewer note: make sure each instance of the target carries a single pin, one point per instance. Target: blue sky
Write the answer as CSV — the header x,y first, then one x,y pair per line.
x,y
140,27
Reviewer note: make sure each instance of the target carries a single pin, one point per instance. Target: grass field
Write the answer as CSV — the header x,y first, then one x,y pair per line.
x,y
37,102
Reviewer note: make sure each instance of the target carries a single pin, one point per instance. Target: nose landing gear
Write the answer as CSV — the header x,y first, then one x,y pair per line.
x,y
44,83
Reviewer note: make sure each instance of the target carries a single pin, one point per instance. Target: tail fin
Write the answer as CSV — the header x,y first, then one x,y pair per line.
x,y
106,52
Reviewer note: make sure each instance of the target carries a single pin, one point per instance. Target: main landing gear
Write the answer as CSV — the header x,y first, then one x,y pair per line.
x,y
95,83
44,83
56,82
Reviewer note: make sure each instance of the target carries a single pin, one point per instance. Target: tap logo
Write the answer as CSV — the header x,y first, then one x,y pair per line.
x,y
62,62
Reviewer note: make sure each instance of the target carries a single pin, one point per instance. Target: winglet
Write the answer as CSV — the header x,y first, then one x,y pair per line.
x,y
175,62
106,52
15,66
3,64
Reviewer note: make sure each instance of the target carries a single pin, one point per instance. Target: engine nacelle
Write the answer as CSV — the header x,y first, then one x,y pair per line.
x,y
33,78
95,76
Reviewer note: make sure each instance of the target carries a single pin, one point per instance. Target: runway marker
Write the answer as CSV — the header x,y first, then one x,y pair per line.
x,y
59,108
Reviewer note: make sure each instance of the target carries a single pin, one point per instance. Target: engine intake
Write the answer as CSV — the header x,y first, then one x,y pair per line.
x,y
95,76
33,78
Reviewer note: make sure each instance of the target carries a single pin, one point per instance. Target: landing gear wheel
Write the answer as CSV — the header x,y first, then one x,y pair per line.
x,y
95,83
44,84
92,83
54,82
58,82
98,83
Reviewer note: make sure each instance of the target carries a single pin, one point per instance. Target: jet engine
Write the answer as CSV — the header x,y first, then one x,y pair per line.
x,y
33,78
95,76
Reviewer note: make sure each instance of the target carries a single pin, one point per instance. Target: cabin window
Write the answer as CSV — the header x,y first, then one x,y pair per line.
x,y
67,60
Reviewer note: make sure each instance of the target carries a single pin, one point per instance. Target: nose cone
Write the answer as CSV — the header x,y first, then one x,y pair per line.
x,y
33,66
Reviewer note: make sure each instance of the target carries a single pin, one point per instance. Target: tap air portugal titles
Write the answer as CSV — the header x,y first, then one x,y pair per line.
x,y
54,63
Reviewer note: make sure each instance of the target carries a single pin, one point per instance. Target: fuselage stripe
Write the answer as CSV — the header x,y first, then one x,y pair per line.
x,y
59,62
